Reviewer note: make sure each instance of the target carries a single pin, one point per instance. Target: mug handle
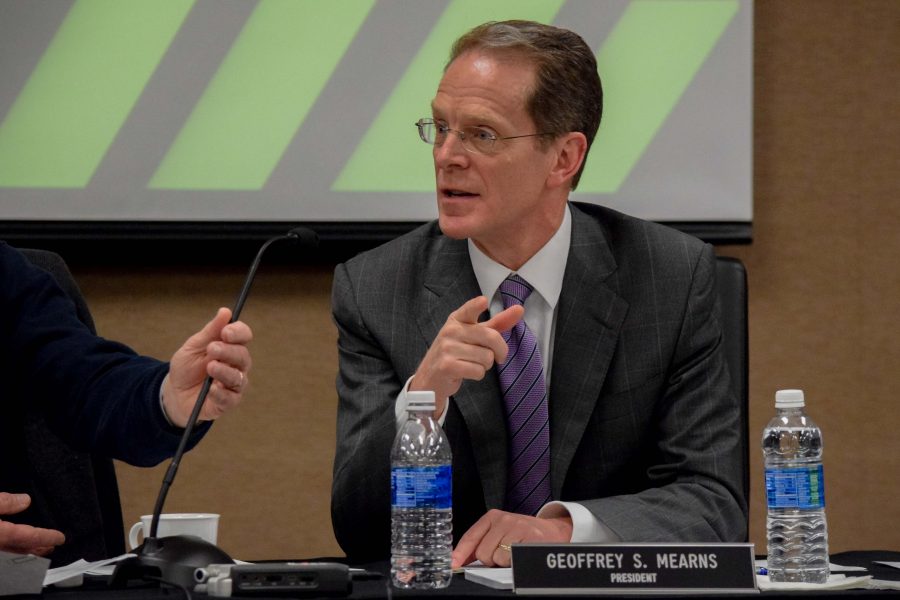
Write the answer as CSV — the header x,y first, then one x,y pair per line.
x,y
133,534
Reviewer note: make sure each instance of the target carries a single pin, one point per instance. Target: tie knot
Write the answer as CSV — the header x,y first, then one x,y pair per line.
x,y
514,290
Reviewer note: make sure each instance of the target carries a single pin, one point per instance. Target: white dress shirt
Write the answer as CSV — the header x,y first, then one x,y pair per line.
x,y
544,272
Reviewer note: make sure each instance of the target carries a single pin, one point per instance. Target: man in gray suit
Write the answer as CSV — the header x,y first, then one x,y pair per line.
x,y
630,431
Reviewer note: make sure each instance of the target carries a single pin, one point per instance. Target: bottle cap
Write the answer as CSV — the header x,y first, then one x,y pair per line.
x,y
789,399
420,401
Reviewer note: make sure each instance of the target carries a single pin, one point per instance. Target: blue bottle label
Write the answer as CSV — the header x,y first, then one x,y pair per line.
x,y
421,487
795,487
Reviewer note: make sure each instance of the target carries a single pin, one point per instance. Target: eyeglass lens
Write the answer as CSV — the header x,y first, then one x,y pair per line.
x,y
474,139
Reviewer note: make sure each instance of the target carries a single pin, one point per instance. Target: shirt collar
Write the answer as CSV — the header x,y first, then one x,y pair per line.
x,y
544,271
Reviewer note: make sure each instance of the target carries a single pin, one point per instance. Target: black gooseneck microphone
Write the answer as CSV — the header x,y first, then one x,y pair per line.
x,y
174,559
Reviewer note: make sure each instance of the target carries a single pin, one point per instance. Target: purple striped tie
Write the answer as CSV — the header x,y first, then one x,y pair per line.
x,y
527,419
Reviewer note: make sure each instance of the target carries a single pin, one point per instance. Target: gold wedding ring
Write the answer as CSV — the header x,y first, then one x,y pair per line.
x,y
506,547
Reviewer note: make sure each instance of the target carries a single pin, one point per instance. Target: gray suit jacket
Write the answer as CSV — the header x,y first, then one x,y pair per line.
x,y
643,424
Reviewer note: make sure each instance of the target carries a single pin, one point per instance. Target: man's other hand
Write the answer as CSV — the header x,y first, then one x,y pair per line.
x,y
488,540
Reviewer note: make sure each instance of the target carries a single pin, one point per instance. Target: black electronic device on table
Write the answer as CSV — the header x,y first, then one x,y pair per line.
x,y
295,579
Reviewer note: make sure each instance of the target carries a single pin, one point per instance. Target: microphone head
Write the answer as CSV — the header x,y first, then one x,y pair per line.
x,y
304,236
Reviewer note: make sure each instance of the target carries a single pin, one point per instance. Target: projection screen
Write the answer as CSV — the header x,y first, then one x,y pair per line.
x,y
242,112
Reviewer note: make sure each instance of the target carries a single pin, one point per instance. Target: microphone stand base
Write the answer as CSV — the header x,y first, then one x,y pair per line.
x,y
172,559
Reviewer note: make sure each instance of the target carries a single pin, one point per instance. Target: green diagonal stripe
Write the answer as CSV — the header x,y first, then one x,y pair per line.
x,y
82,90
646,64
262,93
390,156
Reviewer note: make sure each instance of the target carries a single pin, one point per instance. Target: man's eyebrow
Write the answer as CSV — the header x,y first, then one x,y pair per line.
x,y
481,119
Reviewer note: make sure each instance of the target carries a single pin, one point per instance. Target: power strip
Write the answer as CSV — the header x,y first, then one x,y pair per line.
x,y
274,579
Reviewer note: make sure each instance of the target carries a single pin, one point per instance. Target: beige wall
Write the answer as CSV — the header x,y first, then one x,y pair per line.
x,y
823,267
824,291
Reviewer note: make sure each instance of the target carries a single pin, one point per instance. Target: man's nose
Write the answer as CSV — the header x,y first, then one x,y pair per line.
x,y
451,151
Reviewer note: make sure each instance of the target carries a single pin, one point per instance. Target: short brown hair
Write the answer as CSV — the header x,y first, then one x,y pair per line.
x,y
568,95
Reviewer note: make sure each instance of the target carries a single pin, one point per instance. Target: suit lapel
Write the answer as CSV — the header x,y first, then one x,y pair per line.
x,y
449,282
589,318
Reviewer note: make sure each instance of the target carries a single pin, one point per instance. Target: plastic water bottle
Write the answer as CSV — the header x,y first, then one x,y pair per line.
x,y
795,493
421,493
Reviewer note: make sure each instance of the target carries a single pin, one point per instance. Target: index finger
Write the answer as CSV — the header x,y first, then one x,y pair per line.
x,y
27,538
506,319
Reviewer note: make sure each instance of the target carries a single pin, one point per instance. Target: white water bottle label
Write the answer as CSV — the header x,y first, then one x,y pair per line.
x,y
421,487
795,487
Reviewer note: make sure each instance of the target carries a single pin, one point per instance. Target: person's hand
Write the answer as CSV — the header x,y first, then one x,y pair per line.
x,y
464,349
218,350
483,539
24,539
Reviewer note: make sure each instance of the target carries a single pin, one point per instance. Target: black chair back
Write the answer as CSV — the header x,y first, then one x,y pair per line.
x,y
731,283
72,491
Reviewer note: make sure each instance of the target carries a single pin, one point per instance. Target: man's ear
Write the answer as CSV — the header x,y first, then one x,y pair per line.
x,y
570,151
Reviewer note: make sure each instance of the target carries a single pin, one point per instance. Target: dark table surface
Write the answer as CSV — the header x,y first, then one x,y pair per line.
x,y
377,585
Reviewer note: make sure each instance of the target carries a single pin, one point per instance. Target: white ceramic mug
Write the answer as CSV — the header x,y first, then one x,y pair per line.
x,y
202,525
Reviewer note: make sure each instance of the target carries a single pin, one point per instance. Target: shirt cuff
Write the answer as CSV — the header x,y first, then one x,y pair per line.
x,y
585,526
402,402
162,406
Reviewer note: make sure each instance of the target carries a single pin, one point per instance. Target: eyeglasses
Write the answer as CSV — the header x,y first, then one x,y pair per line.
x,y
474,139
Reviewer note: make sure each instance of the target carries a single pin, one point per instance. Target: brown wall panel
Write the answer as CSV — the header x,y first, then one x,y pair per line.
x,y
824,281
824,291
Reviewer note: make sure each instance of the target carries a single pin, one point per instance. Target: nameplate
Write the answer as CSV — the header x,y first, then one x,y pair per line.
x,y
633,568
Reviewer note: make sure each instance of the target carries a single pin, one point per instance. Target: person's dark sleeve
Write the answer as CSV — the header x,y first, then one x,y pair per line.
x,y
98,395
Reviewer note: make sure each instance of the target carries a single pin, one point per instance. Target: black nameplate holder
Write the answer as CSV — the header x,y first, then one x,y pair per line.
x,y
633,569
